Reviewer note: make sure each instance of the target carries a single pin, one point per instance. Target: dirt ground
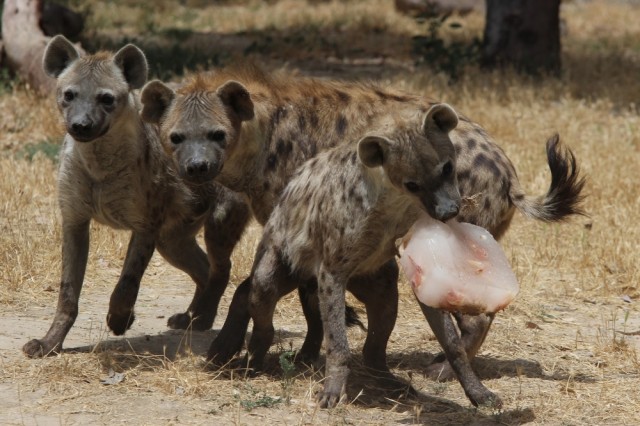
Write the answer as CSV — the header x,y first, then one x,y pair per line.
x,y
566,350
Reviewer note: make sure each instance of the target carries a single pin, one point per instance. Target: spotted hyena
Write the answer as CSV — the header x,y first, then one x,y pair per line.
x,y
339,219
250,131
114,170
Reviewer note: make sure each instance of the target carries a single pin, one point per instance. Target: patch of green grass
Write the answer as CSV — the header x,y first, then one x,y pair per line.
x,y
7,80
288,370
257,399
49,147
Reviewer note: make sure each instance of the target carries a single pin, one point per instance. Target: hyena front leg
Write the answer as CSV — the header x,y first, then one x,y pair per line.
x,y
222,232
182,251
75,249
445,330
331,292
121,315
473,331
230,339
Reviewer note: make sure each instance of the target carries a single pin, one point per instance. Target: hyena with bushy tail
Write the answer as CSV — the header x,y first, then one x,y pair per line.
x,y
251,131
113,169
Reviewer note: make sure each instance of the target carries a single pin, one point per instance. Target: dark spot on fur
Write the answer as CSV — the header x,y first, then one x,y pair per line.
x,y
518,197
487,204
354,157
381,94
302,122
473,182
471,143
271,162
482,160
485,147
464,175
341,125
329,291
343,97
266,185
331,337
457,148
314,120
279,114
328,351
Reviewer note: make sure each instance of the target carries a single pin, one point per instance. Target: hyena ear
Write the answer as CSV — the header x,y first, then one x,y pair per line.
x,y
58,55
156,98
133,64
373,151
236,96
440,116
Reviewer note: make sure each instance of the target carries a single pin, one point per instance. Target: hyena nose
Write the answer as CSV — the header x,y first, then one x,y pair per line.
x,y
197,168
447,211
81,127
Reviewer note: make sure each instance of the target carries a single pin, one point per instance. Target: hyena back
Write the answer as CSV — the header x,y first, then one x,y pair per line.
x,y
113,170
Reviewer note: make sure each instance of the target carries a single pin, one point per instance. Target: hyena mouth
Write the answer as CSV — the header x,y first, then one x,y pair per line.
x,y
87,136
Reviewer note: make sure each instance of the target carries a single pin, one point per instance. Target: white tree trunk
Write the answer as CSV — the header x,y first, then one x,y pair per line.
x,y
24,42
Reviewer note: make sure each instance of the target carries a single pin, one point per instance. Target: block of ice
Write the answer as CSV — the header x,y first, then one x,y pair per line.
x,y
457,267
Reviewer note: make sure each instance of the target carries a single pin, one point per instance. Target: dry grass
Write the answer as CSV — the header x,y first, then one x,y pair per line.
x,y
565,352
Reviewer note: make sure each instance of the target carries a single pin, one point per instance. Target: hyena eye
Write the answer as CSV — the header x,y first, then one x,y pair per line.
x,y
412,186
68,95
216,136
447,169
107,99
176,138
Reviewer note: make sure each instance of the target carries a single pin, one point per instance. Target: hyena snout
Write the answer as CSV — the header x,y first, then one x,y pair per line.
x,y
448,210
447,204
199,161
83,129
197,169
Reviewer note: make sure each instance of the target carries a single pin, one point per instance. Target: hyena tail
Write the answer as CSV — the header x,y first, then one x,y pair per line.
x,y
564,197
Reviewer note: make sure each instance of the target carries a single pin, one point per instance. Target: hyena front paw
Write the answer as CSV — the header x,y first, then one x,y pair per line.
x,y
483,397
39,348
185,320
120,322
330,396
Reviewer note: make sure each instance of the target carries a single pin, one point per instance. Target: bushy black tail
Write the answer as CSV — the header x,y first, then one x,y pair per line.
x,y
352,319
564,197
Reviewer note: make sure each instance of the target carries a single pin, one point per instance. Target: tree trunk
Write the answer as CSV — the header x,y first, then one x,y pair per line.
x,y
24,42
524,34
